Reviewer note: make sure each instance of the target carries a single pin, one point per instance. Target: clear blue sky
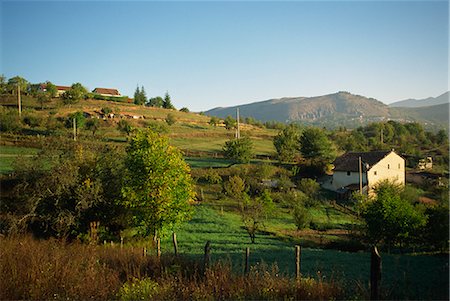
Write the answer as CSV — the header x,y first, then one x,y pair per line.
x,y
209,54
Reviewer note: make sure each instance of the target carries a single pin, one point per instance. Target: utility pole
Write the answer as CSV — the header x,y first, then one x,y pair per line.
x,y
238,133
19,101
74,130
360,175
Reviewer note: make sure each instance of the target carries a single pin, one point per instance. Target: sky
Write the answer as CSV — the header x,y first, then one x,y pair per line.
x,y
210,53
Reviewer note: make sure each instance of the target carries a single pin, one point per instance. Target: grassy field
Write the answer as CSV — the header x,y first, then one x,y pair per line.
x,y
404,276
9,153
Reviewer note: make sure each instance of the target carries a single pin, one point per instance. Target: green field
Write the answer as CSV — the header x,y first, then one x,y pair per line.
x,y
406,276
8,155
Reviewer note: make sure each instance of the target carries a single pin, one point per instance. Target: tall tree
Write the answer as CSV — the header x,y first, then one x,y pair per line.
x,y
51,89
167,104
316,146
157,186
16,81
140,96
287,143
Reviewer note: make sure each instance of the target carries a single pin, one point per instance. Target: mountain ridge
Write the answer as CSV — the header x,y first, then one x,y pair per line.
x,y
331,110
418,103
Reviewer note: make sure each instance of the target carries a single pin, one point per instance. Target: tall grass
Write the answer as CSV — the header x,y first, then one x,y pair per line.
x,y
32,269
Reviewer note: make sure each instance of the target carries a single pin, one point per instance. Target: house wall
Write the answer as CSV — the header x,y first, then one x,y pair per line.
x,y
342,179
391,168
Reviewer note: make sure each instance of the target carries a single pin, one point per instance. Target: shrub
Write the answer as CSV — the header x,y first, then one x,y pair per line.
x,y
10,122
302,217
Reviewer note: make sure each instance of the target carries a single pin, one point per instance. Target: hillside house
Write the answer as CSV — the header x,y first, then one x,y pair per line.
x,y
107,92
376,166
60,89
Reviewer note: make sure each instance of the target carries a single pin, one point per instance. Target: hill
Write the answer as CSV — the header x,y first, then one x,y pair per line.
x,y
334,110
416,103
339,106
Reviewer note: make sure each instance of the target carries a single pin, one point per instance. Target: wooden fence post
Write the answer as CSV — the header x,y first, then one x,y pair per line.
x,y
375,274
297,262
247,260
144,251
207,257
121,242
175,245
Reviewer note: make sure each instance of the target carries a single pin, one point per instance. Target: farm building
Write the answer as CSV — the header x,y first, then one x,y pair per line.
x,y
107,92
60,89
375,166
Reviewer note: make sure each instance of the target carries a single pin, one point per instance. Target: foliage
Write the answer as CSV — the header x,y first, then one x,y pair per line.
x,y
51,89
316,146
79,120
10,122
390,218
301,216
157,186
170,119
254,212
309,187
239,150
156,102
235,187
214,121
76,92
230,123
436,230
140,97
124,126
167,103
93,125
184,109
60,193
16,81
106,110
287,143
158,127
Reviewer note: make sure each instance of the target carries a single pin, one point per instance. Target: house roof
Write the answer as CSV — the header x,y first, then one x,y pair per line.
x,y
106,91
60,88
350,161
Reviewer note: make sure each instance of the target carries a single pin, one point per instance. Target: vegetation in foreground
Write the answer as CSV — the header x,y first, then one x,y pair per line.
x,y
54,270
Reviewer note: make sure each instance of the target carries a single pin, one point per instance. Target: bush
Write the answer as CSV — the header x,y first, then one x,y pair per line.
x,y
240,150
10,122
302,217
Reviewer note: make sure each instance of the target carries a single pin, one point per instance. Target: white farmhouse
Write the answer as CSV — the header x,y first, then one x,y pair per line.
x,y
376,166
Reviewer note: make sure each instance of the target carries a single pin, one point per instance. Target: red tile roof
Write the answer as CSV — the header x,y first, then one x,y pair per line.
x,y
106,91
60,88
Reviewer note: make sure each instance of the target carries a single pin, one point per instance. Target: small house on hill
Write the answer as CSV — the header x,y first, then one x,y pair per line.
x,y
375,166
107,92
60,89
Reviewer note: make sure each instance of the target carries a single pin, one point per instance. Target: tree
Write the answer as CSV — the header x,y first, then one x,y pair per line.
x,y
239,150
315,145
3,84
158,187
76,92
93,125
156,102
301,215
79,120
51,90
15,82
255,211
390,218
287,143
170,119
42,98
214,121
230,123
167,103
184,109
140,97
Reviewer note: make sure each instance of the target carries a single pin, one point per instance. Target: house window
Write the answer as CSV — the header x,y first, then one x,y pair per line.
x,y
374,172
398,165
389,166
348,173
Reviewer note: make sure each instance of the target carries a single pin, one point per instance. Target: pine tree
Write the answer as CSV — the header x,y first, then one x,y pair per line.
x,y
167,104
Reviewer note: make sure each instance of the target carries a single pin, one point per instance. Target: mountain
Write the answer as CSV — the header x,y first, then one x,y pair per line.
x,y
416,103
335,110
